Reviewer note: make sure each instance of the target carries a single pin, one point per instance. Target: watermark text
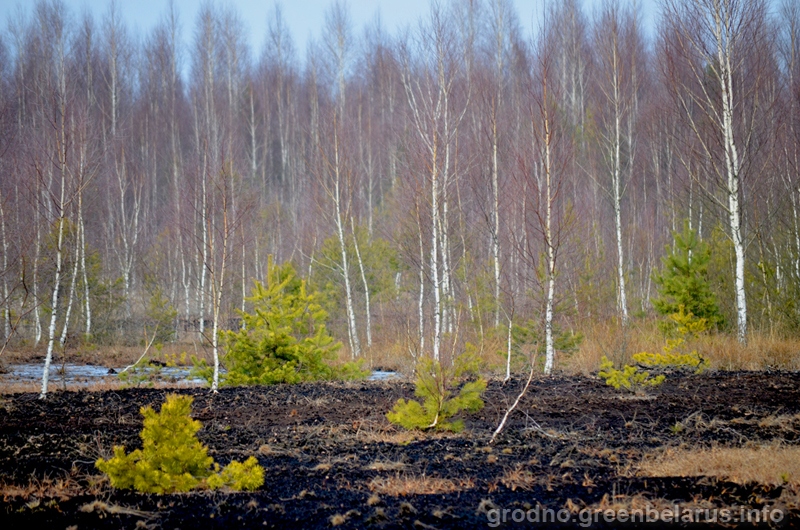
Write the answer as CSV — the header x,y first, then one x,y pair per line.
x,y
648,514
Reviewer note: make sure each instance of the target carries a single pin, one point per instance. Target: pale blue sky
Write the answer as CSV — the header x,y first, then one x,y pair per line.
x,y
304,17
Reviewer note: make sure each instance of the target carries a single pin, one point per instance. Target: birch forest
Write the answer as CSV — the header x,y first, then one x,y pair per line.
x,y
460,184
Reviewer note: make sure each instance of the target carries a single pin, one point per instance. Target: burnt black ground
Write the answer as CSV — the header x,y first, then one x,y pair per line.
x,y
575,442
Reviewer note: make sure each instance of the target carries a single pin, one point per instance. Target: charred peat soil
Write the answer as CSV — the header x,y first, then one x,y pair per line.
x,y
332,459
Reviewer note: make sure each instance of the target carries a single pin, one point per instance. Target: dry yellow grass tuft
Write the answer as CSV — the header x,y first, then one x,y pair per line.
x,y
57,488
402,485
765,465
382,432
383,465
519,478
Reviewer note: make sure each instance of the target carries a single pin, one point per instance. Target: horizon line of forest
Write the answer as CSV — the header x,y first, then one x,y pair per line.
x,y
437,186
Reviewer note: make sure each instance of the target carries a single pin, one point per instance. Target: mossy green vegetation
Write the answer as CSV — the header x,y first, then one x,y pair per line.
x,y
442,398
172,459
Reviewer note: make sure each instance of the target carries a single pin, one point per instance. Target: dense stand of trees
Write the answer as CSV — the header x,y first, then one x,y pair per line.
x,y
448,181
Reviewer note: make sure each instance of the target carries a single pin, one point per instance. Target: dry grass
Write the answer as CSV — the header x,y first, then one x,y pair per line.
x,y
113,509
392,350
722,351
637,506
380,432
761,351
102,355
387,353
100,385
402,485
519,478
616,342
769,465
56,488
384,465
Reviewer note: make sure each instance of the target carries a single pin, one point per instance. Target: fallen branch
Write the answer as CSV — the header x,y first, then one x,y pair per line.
x,y
147,349
516,402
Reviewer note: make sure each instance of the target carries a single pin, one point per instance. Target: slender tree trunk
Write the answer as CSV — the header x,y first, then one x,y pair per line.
x,y
724,53
496,225
421,300
71,297
355,346
36,256
54,301
617,197
6,294
201,294
508,352
366,285
85,277
217,284
434,264
550,352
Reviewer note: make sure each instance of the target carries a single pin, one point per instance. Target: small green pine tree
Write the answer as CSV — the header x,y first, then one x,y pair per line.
x,y
630,377
284,339
687,326
172,459
683,280
435,385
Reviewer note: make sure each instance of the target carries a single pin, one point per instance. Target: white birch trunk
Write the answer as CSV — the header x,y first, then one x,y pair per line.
x,y
54,301
715,50
496,225
421,300
617,196
508,353
215,346
71,297
499,22
434,264
724,53
6,295
218,281
366,285
550,352
61,153
37,318
87,305
355,346
201,294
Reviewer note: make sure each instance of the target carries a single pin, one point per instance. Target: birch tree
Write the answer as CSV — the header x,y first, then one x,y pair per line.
x,y
429,86
543,174
617,87
54,168
502,25
710,48
338,44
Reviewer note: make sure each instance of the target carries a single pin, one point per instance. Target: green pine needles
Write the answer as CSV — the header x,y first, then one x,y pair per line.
x,y
284,339
173,460
629,378
683,281
441,399
674,357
